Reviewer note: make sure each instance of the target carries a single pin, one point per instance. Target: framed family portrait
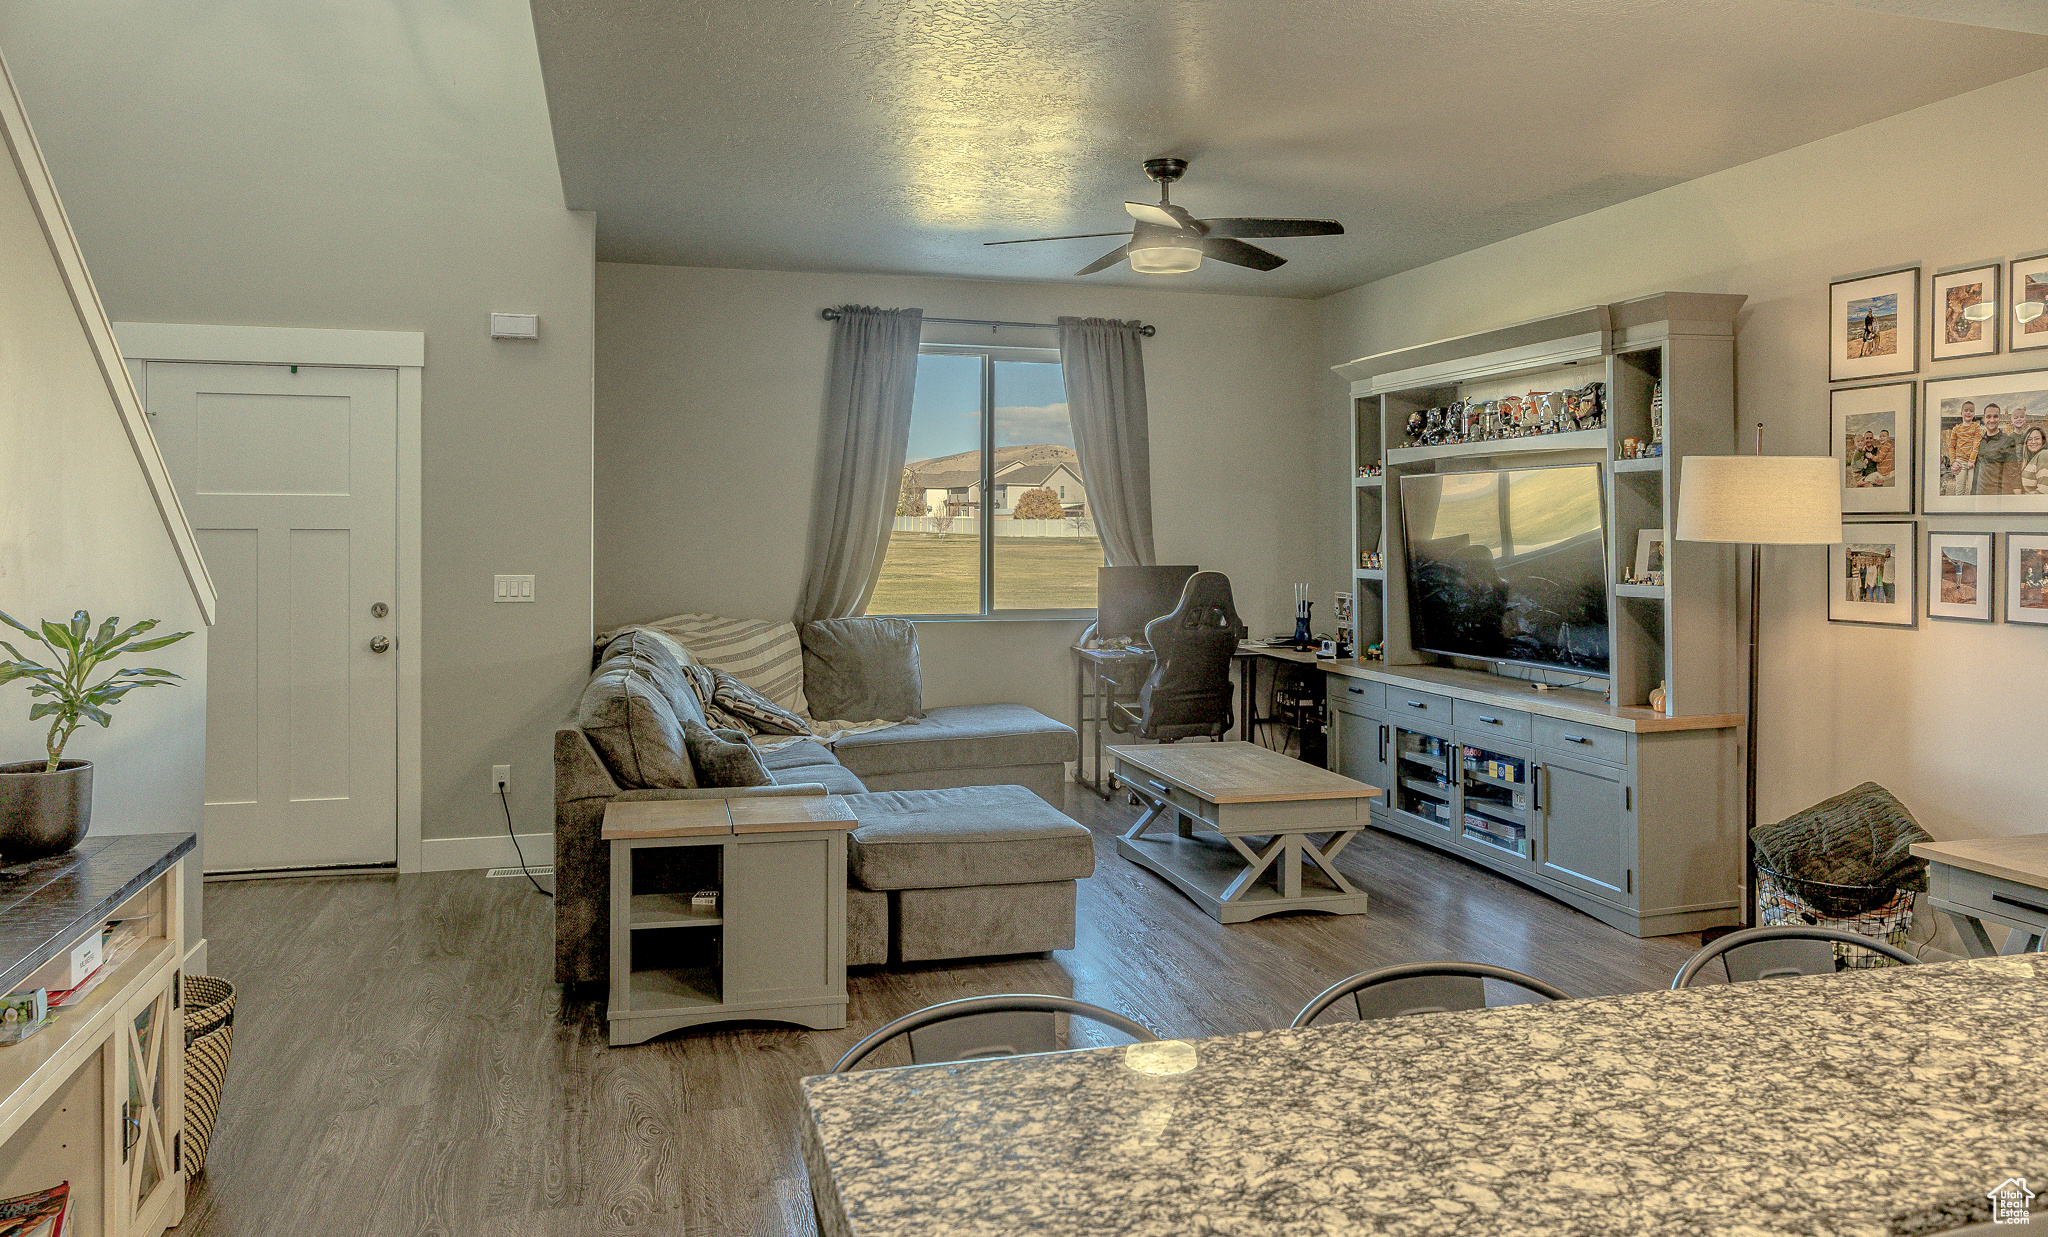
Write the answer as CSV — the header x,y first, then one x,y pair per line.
x,y
1872,439
1649,552
1986,442
1872,577
1874,325
2029,284
2026,578
1965,317
1962,575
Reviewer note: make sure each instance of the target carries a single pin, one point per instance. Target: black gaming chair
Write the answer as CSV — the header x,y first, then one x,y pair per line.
x,y
1188,691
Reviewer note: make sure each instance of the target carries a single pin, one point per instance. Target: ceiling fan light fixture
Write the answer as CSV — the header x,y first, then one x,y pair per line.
x,y
1165,260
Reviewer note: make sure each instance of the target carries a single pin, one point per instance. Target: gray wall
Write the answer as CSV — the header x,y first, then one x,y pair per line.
x,y
290,163
709,388
1948,716
79,530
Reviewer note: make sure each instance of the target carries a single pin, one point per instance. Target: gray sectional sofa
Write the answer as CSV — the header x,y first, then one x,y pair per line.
x,y
960,851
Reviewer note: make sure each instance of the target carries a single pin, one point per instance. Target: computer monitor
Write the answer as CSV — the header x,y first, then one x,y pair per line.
x,y
1127,598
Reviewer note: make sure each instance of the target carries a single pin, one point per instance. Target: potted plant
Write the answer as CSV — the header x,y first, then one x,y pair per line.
x,y
45,805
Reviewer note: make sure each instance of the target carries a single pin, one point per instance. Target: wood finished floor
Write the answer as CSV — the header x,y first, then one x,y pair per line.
x,y
404,1064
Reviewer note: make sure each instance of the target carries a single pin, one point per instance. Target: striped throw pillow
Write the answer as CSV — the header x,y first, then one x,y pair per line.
x,y
765,656
759,712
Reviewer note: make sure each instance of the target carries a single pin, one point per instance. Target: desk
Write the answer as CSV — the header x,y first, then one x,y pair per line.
x,y
1827,1105
2004,880
1092,705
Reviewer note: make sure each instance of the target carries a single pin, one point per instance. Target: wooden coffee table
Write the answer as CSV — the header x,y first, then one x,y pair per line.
x,y
1220,794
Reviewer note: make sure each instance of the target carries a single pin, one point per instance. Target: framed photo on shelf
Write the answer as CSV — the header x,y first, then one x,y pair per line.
x,y
1649,552
1874,325
2026,578
1965,317
1962,575
1872,440
1986,442
1872,577
2029,284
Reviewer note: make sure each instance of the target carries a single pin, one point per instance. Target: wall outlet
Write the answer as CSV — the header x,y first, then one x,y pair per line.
x,y
512,588
501,778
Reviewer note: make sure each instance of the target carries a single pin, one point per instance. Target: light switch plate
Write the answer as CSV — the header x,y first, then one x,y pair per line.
x,y
515,326
513,588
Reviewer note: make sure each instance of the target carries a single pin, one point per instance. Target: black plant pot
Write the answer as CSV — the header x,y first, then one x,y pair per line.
x,y
43,813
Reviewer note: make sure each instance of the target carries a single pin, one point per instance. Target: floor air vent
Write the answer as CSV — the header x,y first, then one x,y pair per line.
x,y
503,873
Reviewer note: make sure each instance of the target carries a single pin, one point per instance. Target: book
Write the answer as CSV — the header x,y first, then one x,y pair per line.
x,y
42,1214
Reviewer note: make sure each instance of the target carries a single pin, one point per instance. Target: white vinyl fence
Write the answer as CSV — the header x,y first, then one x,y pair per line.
x,y
970,526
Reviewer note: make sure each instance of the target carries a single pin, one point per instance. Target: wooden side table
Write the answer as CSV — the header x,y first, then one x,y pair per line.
x,y
2004,880
775,945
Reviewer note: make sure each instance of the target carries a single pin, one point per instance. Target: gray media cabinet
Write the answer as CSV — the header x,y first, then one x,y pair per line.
x,y
1629,815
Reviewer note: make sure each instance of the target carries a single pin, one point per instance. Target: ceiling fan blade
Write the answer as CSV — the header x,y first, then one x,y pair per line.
x,y
1075,236
1274,227
1106,261
1236,252
1166,216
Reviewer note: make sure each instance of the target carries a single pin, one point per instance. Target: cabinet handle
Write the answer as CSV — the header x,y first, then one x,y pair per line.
x,y
1575,738
1356,691
1383,744
129,1127
1161,787
1491,721
1628,798
1417,704
1536,787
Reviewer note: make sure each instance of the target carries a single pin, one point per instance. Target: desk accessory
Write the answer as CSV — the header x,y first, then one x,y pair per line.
x,y
1302,606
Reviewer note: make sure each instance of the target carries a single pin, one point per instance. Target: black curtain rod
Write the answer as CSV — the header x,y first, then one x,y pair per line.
x,y
832,315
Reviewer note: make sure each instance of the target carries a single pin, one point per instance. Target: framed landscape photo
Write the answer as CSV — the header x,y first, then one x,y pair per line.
x,y
1872,440
2029,284
1986,444
1874,325
1872,577
2026,578
1962,575
1965,315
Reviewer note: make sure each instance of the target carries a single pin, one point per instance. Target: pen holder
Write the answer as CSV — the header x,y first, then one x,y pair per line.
x,y
1302,639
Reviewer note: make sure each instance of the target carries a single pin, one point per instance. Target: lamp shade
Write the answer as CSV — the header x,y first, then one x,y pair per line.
x,y
1760,499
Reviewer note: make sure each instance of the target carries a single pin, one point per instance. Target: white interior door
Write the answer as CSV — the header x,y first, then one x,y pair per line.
x,y
290,480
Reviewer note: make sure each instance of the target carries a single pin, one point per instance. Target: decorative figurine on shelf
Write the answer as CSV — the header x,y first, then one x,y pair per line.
x,y
1657,412
1432,428
1376,650
1631,448
1369,470
1553,411
1657,696
1370,560
1415,421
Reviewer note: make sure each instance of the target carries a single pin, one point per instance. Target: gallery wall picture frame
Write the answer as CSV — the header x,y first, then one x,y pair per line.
x,y
1971,469
1649,551
1871,434
2028,286
1964,313
1873,578
2026,578
1962,575
1874,325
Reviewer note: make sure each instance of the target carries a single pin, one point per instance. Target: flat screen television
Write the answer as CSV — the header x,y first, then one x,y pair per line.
x,y
1509,565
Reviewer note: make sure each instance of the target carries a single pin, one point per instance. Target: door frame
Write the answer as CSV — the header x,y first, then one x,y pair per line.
x,y
404,351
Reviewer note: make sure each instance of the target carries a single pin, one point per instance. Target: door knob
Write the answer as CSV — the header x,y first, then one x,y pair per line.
x,y
379,644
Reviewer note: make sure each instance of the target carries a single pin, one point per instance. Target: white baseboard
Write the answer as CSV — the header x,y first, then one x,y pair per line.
x,y
490,851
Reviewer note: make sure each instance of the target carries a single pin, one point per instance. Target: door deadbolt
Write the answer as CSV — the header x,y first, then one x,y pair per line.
x,y
379,610
379,644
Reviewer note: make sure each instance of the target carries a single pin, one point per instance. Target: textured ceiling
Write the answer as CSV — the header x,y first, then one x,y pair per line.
x,y
897,135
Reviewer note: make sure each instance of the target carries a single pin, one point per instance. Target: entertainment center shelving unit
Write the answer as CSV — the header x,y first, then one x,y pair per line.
x,y
1631,814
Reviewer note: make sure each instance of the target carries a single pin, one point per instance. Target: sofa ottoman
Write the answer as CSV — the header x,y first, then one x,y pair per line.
x,y
966,745
969,872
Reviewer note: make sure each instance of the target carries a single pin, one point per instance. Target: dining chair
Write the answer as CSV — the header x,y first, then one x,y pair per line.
x,y
1008,1025
1422,988
1781,950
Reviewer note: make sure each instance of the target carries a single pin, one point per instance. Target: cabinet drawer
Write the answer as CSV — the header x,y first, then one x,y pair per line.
x,y
1344,690
1578,739
1480,720
1187,801
1406,706
1995,896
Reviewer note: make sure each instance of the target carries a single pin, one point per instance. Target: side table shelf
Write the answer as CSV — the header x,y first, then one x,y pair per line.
x,y
774,948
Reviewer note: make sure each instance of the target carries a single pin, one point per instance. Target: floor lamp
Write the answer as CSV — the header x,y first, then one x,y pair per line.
x,y
1758,500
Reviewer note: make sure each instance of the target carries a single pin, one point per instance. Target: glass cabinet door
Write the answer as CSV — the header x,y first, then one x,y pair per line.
x,y
1496,788
1424,783
152,1043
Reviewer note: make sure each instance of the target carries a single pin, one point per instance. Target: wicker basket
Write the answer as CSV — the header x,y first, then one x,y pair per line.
x,y
209,1035
1868,910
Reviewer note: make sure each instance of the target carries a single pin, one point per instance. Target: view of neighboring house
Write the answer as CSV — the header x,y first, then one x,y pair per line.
x,y
952,485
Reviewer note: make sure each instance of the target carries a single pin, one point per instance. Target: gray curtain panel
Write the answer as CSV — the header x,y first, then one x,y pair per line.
x,y
860,457
1105,375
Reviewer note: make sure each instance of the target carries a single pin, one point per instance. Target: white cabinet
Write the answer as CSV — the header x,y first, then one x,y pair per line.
x,y
1587,835
149,1049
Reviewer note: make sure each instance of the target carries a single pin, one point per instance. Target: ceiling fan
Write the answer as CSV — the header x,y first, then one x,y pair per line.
x,y
1167,240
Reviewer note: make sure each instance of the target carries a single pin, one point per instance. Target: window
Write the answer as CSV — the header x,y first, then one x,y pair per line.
x,y
991,519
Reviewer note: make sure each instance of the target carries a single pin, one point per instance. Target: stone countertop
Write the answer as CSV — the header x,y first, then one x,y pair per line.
x,y
48,903
1869,1102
